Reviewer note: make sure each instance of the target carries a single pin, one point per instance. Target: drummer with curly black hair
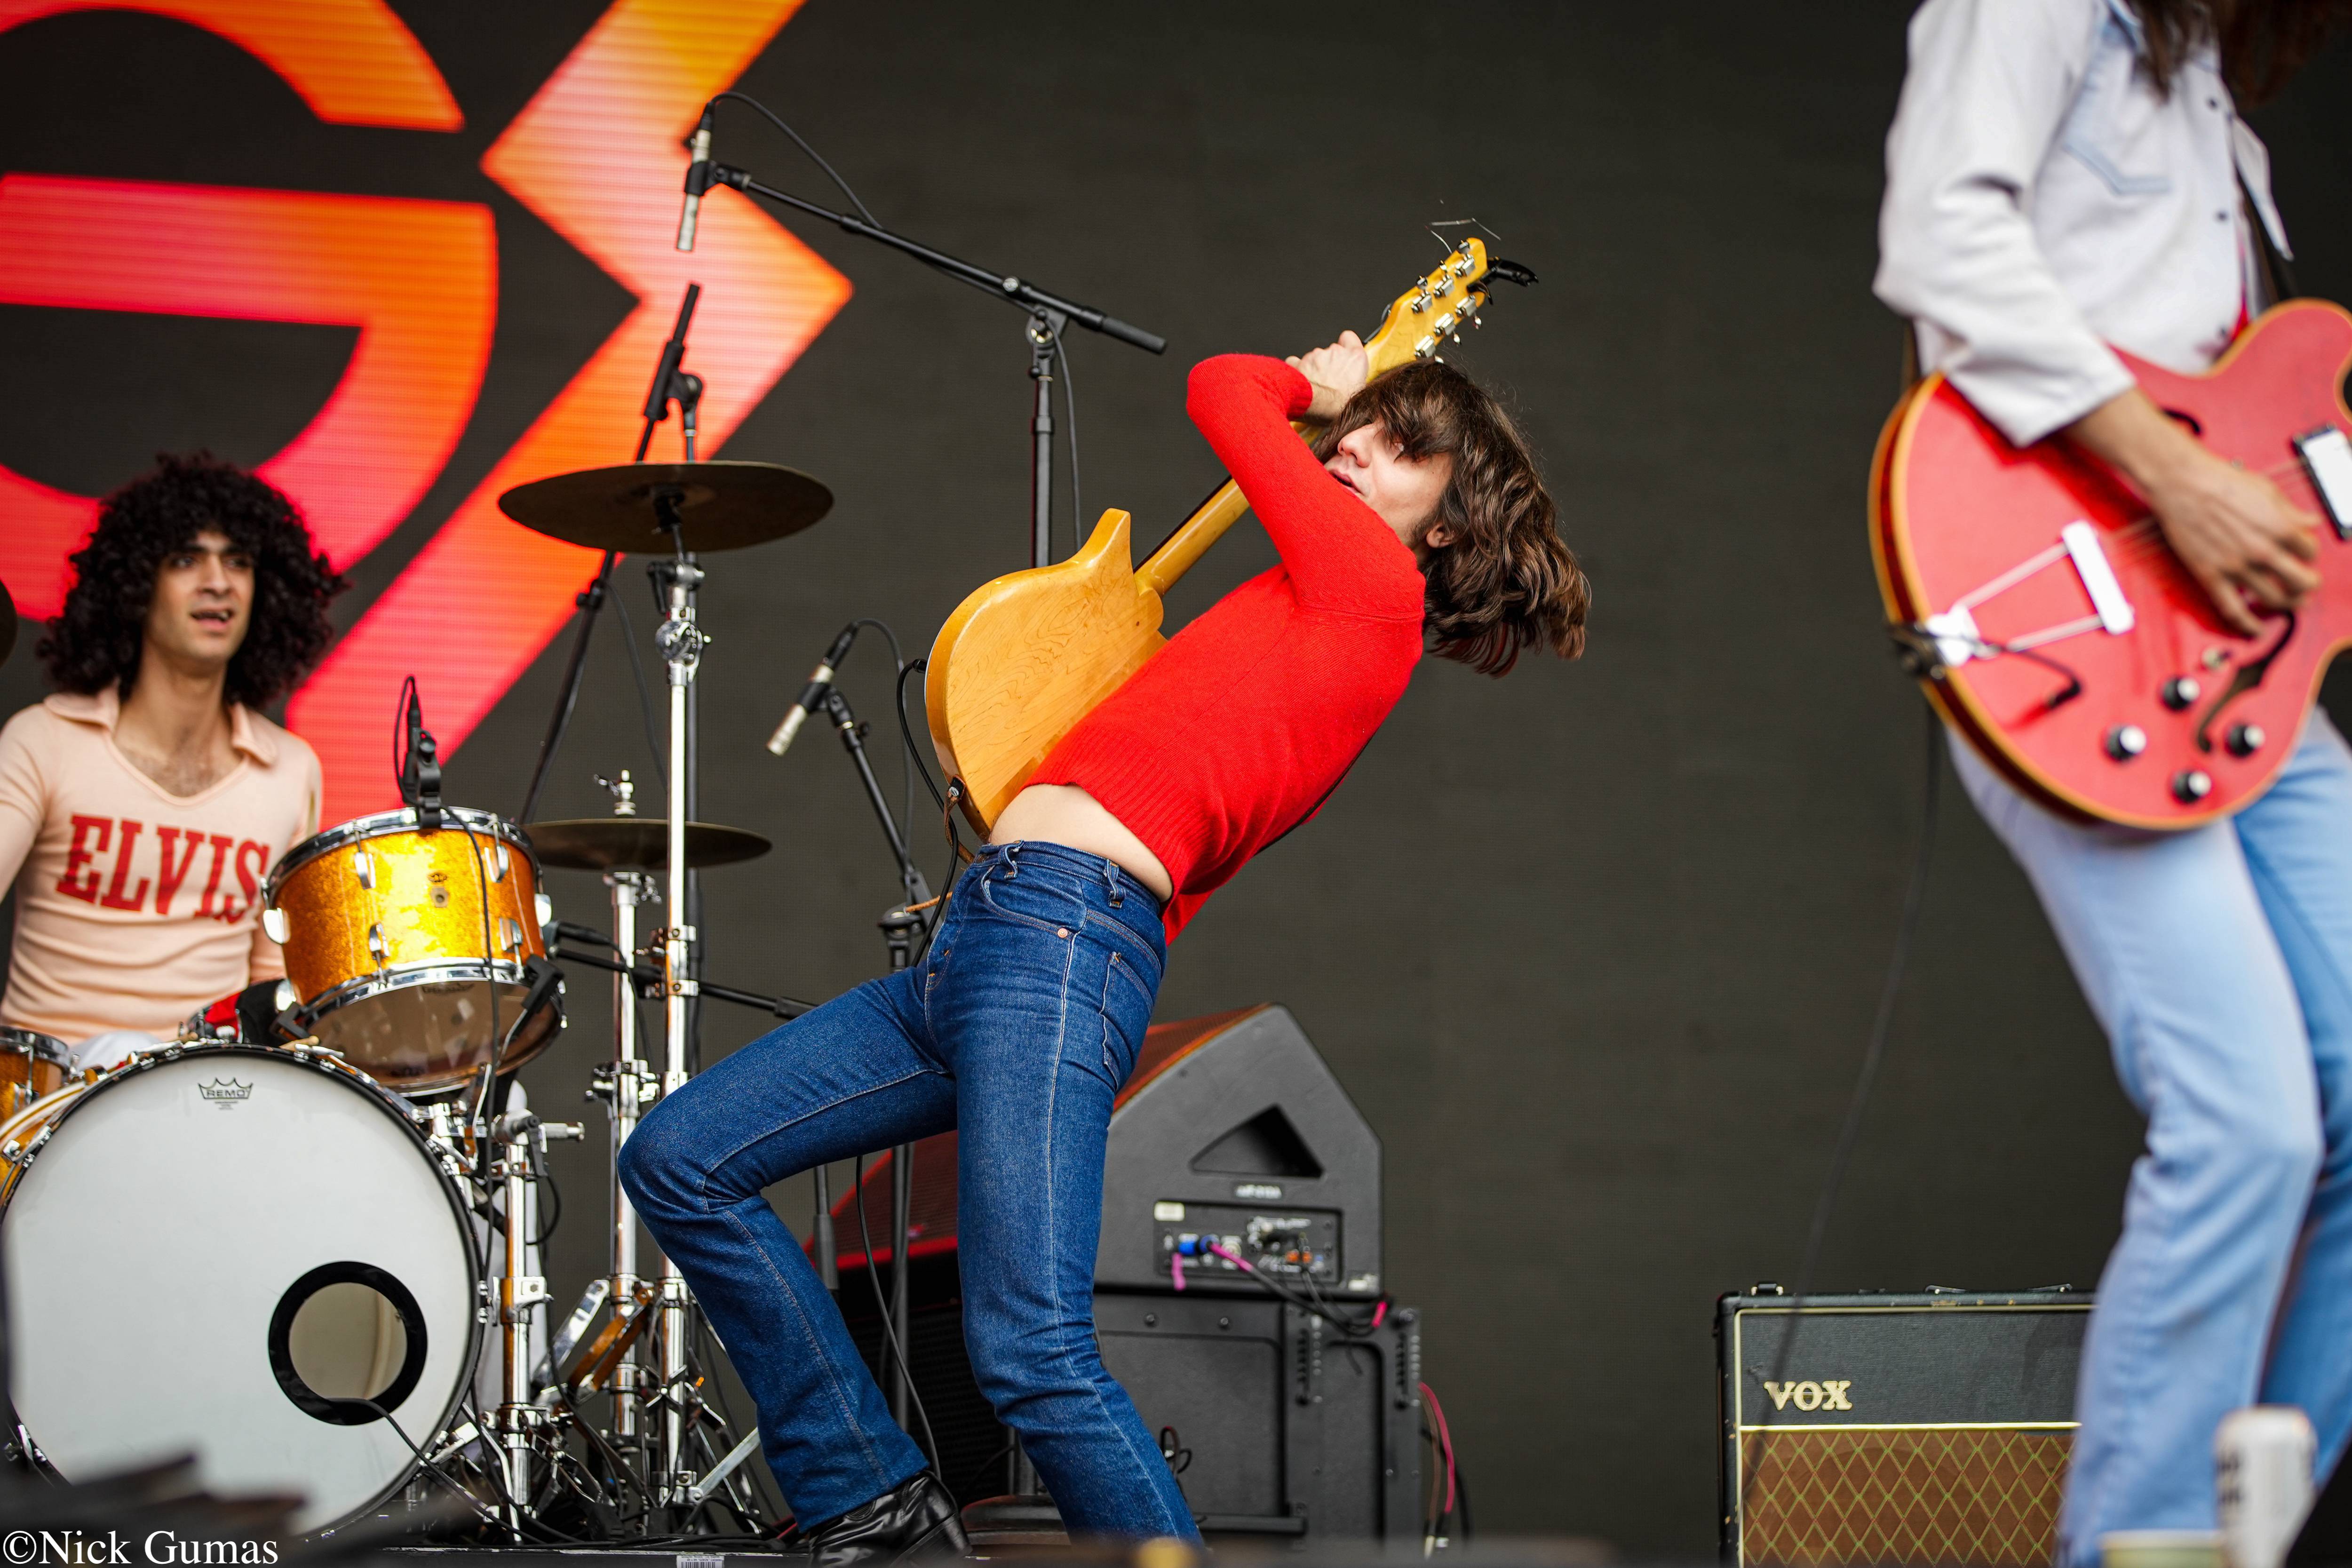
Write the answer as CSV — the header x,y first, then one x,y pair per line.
x,y
143,804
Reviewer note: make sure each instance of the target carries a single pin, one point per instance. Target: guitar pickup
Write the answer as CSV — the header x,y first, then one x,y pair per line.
x,y
2326,457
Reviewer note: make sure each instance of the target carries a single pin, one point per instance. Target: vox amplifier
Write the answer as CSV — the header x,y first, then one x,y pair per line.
x,y
1932,1428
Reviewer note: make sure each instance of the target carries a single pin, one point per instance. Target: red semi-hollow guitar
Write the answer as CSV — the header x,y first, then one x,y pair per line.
x,y
2052,624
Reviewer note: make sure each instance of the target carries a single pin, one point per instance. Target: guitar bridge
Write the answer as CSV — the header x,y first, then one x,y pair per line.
x,y
1954,634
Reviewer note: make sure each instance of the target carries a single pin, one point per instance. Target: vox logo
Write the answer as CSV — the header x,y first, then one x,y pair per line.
x,y
1810,1396
595,155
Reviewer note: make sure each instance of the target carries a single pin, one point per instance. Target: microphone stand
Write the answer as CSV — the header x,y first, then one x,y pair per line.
x,y
1049,316
669,385
898,927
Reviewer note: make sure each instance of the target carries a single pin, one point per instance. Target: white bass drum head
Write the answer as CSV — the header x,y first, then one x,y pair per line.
x,y
222,1255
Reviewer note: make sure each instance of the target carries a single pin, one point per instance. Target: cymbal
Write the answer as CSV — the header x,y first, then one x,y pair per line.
x,y
639,844
722,505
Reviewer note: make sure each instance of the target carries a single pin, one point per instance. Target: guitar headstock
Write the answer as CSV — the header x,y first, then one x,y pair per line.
x,y
1422,319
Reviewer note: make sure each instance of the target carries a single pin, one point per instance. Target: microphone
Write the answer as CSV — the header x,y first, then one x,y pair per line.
x,y
697,180
813,695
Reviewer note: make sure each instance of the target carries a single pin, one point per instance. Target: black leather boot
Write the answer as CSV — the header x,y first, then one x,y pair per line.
x,y
915,1520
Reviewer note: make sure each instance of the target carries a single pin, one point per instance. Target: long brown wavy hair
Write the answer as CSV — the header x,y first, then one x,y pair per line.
x,y
1505,583
2262,42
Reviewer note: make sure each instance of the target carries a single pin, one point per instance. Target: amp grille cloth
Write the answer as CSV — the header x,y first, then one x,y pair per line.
x,y
1954,1499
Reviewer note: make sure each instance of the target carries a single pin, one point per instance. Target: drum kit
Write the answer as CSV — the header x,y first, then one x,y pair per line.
x,y
288,1240
298,1252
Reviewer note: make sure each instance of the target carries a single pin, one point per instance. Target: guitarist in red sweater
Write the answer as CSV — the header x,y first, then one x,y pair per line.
x,y
1416,523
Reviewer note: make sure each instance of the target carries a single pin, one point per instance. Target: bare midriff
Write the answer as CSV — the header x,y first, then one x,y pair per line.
x,y
1069,816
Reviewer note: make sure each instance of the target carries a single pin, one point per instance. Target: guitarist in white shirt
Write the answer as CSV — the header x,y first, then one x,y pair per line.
x,y
2065,174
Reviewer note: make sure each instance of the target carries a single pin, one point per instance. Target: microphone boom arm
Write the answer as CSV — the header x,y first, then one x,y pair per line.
x,y
1004,286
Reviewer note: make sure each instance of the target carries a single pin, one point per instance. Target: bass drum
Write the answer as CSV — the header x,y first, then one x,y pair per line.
x,y
239,1253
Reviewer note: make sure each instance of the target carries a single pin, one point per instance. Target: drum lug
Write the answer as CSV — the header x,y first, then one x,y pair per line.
x,y
497,860
376,949
510,934
363,866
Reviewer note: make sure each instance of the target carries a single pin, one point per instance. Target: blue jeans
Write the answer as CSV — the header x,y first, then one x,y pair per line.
x,y
1017,1030
2220,962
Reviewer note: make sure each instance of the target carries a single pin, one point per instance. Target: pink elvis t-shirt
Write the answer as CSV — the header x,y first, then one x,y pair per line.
x,y
135,907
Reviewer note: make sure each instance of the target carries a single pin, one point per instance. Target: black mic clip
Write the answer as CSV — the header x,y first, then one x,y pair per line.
x,y
420,765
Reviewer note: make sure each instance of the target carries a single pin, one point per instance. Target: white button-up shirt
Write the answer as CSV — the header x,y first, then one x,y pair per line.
x,y
2043,202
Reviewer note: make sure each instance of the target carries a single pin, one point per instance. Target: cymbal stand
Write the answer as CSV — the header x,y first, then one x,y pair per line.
x,y
670,384
681,641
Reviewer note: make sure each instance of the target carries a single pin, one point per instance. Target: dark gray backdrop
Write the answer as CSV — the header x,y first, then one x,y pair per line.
x,y
1594,947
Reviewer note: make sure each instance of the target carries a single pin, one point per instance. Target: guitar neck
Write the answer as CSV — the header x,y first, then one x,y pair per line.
x,y
1165,566
1392,344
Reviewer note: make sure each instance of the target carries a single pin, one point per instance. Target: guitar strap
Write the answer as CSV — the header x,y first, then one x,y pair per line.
x,y
2276,272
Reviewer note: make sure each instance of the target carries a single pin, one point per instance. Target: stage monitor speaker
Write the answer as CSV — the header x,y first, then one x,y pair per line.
x,y
1930,1428
1231,1127
1286,1429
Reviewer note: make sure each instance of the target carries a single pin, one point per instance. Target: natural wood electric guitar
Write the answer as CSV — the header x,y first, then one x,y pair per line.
x,y
2053,627
1029,655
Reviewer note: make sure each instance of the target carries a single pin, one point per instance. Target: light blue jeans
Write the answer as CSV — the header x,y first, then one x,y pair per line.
x,y
2220,962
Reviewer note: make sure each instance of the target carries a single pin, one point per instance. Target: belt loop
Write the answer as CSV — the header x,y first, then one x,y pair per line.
x,y
1110,880
1012,862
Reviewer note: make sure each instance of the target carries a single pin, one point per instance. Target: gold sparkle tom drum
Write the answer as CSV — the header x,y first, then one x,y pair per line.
x,y
31,1065
406,947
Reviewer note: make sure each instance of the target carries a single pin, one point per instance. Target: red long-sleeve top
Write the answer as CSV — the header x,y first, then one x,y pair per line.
x,y
1236,731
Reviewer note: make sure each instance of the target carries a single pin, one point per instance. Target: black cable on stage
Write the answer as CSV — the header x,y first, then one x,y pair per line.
x,y
1070,418
905,775
429,1467
906,732
839,183
555,1202
881,1306
1914,897
1353,1328
645,697
956,856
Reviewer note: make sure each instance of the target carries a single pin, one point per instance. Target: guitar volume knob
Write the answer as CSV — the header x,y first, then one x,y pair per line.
x,y
2244,740
2179,692
2192,785
2126,742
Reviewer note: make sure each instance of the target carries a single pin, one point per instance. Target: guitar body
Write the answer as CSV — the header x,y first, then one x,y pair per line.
x,y
1994,550
1027,656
